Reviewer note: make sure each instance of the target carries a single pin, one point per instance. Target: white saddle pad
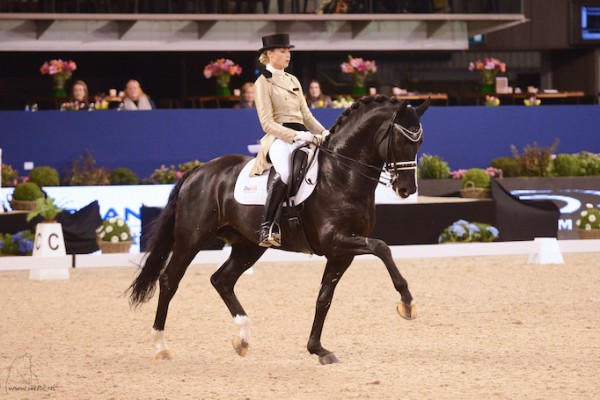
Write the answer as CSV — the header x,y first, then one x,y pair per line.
x,y
253,190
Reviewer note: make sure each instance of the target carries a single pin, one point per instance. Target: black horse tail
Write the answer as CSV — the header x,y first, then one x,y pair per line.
x,y
160,246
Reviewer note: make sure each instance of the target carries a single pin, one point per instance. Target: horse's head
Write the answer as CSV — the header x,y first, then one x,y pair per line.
x,y
401,141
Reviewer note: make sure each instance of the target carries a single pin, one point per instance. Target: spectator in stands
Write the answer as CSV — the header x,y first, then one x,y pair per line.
x,y
315,97
79,92
135,98
247,100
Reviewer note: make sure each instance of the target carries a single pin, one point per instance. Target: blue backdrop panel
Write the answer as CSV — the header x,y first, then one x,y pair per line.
x,y
465,137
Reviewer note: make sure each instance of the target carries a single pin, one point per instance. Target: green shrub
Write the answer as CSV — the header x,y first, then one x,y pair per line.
x,y
566,165
27,191
123,176
511,167
164,175
535,160
433,167
44,176
10,176
83,172
189,165
589,164
476,178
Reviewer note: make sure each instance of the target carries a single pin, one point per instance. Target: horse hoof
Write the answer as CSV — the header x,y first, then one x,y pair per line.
x,y
407,311
163,355
240,346
329,358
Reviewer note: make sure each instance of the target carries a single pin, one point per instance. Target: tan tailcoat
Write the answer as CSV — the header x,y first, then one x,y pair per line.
x,y
279,100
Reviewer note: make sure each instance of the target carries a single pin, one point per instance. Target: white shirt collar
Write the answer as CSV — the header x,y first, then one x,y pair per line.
x,y
275,71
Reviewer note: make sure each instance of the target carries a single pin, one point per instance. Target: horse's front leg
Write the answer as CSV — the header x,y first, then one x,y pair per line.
x,y
331,277
377,247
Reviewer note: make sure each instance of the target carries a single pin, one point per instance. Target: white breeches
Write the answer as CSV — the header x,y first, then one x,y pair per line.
x,y
280,153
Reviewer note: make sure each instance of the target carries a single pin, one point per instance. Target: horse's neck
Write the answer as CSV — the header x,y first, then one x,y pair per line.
x,y
354,165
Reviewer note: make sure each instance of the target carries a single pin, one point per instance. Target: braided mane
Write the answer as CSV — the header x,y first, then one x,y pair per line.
x,y
358,105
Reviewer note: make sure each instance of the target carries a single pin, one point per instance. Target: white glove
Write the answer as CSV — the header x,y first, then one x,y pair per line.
x,y
325,133
304,136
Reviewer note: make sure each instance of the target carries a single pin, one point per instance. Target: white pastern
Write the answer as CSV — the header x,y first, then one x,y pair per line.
x,y
159,340
244,323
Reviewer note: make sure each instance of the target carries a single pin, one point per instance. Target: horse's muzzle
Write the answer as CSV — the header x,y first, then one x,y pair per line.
x,y
404,192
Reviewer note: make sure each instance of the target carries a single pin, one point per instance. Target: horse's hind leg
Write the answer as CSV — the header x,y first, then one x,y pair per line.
x,y
243,256
331,277
169,282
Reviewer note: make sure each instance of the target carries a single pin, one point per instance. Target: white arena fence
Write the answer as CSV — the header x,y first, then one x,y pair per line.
x,y
215,258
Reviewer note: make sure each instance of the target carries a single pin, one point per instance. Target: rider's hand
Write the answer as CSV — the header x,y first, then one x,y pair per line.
x,y
325,133
304,136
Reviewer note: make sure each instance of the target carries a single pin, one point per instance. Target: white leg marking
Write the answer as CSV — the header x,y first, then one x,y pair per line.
x,y
244,323
159,340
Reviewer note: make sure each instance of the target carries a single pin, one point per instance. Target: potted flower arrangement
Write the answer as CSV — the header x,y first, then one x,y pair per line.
x,y
342,102
492,101
589,223
532,101
25,195
359,69
49,235
164,175
488,68
463,231
45,208
10,176
476,182
223,69
19,244
60,71
114,236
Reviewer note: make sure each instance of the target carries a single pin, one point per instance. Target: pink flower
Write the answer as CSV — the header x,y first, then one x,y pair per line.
x,y
221,66
491,171
358,66
488,64
458,173
59,66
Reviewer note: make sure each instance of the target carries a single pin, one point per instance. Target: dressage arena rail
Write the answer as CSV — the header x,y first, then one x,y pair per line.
x,y
217,257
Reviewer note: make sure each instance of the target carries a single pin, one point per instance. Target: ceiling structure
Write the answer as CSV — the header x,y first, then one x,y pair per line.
x,y
239,32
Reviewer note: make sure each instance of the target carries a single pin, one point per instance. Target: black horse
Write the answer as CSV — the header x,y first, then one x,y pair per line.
x,y
376,132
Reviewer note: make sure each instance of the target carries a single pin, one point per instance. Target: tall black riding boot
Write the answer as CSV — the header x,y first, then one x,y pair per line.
x,y
277,190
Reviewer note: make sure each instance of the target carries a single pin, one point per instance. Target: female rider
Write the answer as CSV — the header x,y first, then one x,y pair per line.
x,y
287,122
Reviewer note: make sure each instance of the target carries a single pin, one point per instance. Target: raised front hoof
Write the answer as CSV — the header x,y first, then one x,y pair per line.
x,y
407,311
240,346
329,358
163,355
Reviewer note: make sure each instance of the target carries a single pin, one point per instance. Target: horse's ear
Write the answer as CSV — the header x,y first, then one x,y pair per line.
x,y
403,106
423,107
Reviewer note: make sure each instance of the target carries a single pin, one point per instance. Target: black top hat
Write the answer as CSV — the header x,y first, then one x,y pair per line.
x,y
277,41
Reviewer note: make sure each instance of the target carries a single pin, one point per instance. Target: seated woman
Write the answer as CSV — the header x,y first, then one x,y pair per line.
x,y
79,94
135,98
315,98
247,100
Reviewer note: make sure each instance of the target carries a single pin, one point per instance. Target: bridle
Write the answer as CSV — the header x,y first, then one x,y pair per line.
x,y
391,166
